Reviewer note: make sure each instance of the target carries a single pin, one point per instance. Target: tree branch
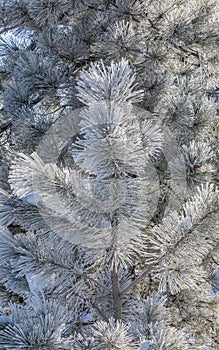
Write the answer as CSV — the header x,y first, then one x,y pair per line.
x,y
100,312
117,300
152,267
6,29
137,280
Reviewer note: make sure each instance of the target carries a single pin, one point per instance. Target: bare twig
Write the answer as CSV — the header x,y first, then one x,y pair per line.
x,y
100,312
117,300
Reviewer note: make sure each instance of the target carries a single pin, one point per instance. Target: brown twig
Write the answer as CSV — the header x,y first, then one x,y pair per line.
x,y
117,300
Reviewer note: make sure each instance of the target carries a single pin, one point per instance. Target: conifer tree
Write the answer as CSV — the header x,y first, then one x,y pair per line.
x,y
109,174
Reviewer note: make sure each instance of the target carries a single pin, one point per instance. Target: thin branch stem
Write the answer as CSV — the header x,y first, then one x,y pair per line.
x,y
137,280
95,306
117,300
100,312
94,281
6,29
81,274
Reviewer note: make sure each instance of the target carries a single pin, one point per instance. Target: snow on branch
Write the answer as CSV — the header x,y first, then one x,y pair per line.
x,y
47,264
38,324
183,239
113,83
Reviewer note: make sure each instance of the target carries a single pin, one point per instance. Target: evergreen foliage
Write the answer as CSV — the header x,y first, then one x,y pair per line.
x,y
109,174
